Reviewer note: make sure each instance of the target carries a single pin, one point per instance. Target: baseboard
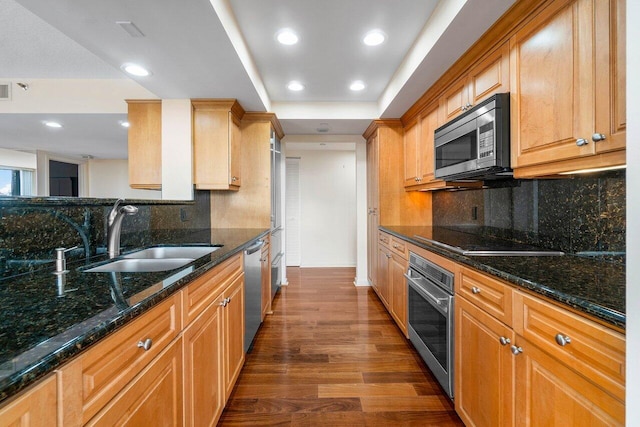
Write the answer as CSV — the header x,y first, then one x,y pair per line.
x,y
361,282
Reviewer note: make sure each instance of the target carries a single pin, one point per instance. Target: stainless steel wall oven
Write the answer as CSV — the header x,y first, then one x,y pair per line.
x,y
430,315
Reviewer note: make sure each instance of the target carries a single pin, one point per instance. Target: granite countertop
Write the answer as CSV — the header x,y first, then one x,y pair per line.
x,y
593,286
39,331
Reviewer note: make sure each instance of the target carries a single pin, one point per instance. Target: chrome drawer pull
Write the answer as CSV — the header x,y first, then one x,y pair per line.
x,y
505,341
475,290
516,350
146,344
563,340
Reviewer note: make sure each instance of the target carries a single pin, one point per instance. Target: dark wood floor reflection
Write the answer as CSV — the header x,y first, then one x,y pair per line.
x,y
331,355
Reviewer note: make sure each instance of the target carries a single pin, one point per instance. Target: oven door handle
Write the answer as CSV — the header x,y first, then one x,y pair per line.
x,y
437,301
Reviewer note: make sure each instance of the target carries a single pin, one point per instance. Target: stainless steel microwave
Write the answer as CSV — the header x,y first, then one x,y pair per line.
x,y
475,145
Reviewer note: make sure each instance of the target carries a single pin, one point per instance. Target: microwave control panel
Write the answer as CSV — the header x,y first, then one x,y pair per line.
x,y
486,141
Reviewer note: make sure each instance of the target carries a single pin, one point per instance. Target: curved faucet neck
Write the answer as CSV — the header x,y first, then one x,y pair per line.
x,y
114,226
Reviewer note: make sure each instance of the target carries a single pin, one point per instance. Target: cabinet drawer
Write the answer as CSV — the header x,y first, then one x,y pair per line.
x,y
100,373
399,247
384,238
596,352
487,293
203,290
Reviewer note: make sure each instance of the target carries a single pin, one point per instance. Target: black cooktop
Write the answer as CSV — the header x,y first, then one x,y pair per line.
x,y
477,241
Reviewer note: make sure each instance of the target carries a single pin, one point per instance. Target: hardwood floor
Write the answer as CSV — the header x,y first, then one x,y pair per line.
x,y
331,355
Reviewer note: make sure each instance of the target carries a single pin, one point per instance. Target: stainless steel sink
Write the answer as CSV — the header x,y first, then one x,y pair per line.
x,y
141,265
164,252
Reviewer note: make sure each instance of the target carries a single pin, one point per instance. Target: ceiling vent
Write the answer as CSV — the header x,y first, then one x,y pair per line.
x,y
5,91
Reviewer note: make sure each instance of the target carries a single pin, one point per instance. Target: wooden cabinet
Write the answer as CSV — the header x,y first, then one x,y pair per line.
x,y
521,360
484,367
563,95
145,144
387,202
488,77
35,407
233,333
152,398
393,255
217,144
92,380
265,271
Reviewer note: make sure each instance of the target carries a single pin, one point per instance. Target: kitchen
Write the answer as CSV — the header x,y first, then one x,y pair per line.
x,y
629,218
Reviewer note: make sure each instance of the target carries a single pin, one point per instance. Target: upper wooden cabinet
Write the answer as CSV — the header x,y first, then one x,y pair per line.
x,y
489,76
145,144
216,144
568,88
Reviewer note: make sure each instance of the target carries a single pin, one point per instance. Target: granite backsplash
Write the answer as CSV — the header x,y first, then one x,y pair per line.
x,y
30,231
574,214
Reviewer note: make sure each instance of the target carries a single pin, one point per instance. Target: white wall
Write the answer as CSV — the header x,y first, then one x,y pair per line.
x,y
633,214
361,196
328,207
110,179
17,159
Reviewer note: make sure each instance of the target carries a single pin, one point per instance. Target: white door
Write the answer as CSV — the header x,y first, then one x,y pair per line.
x,y
292,212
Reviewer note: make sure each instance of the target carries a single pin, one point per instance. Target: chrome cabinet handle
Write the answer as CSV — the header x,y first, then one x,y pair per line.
x,y
388,255
475,290
505,341
562,340
516,350
224,302
596,137
146,344
581,142
234,178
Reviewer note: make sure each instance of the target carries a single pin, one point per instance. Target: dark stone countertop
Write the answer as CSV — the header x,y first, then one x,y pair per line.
x,y
40,331
590,285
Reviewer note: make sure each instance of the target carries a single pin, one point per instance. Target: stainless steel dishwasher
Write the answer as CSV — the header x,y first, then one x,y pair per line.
x,y
252,292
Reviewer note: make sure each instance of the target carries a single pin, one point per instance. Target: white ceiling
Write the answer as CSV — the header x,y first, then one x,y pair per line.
x,y
227,49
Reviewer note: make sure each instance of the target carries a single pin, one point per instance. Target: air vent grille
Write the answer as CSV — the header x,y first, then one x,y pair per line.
x,y
5,91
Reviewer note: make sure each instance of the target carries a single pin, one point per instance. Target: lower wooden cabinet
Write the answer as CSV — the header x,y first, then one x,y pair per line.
x,y
484,368
233,333
391,283
382,284
154,398
265,271
36,406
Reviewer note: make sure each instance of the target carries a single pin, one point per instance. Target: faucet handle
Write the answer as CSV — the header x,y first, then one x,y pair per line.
x,y
114,211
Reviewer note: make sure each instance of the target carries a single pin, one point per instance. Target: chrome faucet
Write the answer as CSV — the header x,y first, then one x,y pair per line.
x,y
114,225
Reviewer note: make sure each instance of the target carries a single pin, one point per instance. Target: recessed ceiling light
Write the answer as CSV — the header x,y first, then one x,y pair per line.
x,y
295,86
287,36
135,70
357,85
124,124
55,125
374,38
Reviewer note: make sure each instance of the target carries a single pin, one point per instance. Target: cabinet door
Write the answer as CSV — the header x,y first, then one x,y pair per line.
x,y
233,325
383,274
484,368
428,125
265,268
549,393
145,144
490,76
372,203
35,407
153,398
398,285
203,378
610,71
411,155
552,85
235,139
454,101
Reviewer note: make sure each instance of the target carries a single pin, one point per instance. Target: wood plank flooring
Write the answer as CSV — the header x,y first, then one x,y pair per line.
x,y
330,355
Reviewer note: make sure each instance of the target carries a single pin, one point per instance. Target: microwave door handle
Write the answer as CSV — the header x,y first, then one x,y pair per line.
x,y
456,133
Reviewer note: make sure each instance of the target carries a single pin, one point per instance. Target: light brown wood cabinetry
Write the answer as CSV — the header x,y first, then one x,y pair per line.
x,y
153,398
387,202
92,380
35,407
484,367
521,360
217,144
488,77
265,271
233,333
562,94
145,144
393,255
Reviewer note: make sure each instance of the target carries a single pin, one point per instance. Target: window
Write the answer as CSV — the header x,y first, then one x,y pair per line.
x,y
16,182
